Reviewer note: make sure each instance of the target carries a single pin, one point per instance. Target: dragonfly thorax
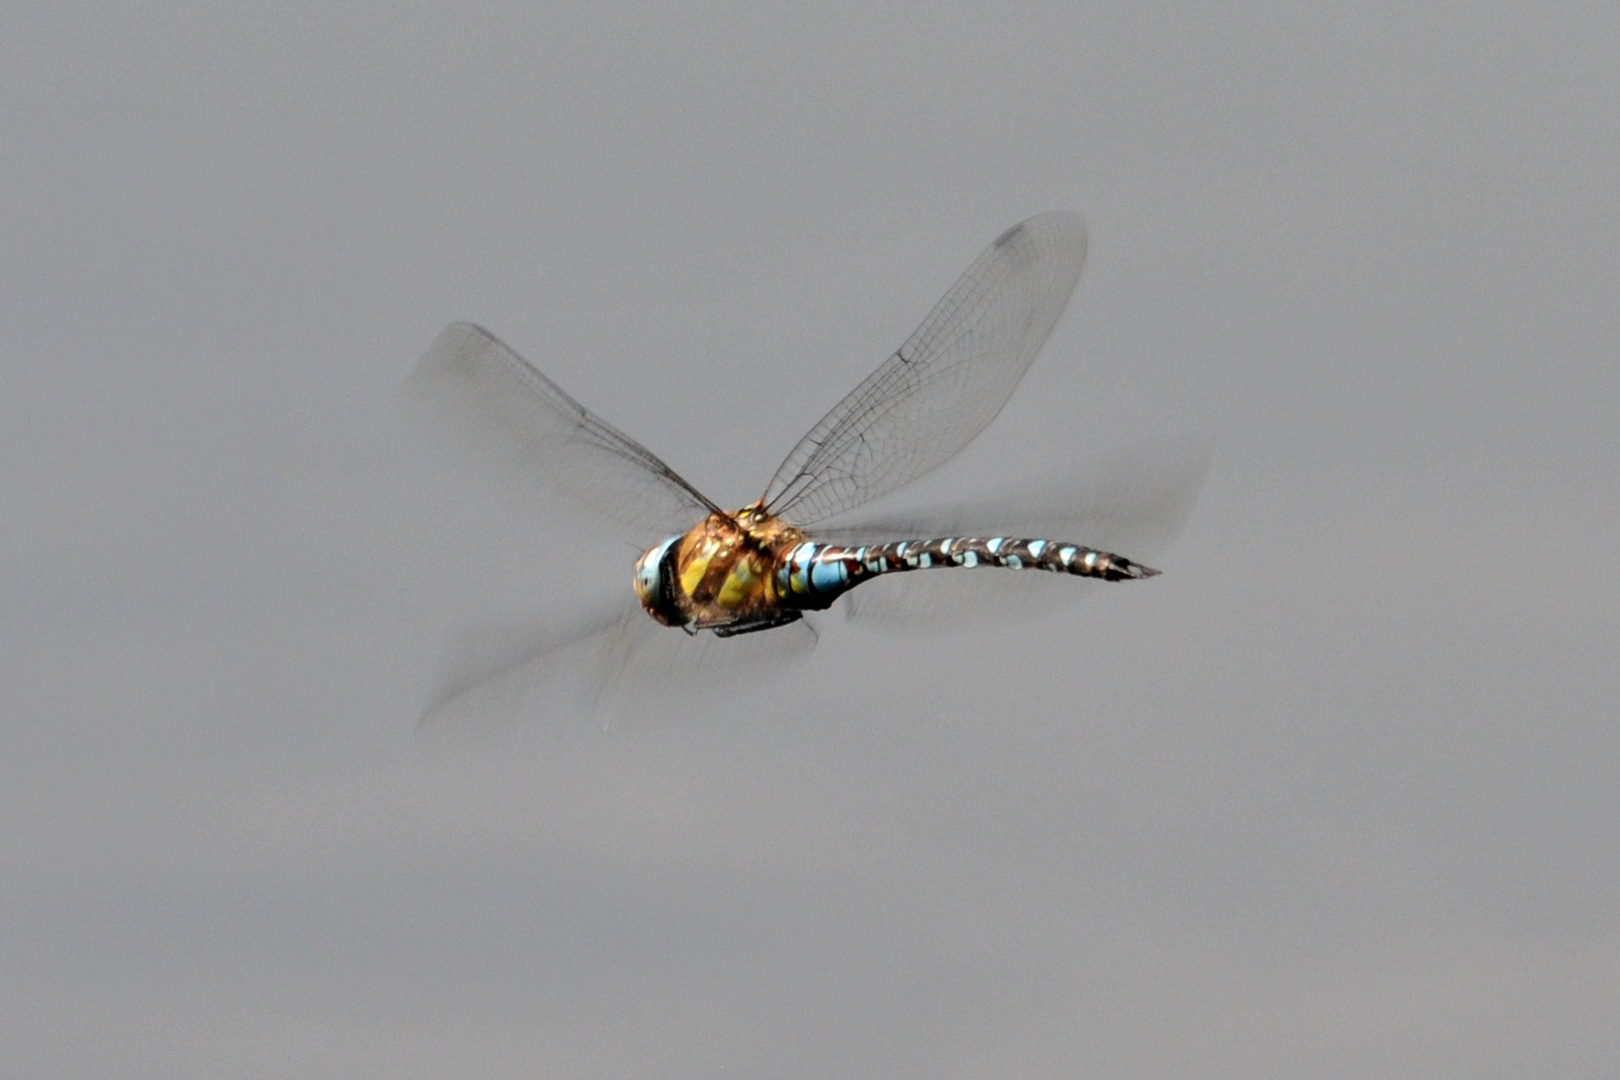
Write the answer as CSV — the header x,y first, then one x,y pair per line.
x,y
718,575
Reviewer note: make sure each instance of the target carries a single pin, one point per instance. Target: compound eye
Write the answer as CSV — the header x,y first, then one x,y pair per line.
x,y
647,578
655,583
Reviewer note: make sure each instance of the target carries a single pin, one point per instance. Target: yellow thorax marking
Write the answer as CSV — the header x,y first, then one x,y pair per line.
x,y
739,584
692,573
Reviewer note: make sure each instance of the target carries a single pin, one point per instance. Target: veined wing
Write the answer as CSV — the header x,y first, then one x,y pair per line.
x,y
1132,503
613,664
950,378
498,402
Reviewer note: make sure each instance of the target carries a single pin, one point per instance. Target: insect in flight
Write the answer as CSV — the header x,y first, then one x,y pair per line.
x,y
759,570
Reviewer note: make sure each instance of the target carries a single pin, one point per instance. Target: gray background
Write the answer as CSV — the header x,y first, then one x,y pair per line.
x,y
1336,796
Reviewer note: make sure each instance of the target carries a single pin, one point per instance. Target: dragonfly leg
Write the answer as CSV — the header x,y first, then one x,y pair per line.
x,y
778,618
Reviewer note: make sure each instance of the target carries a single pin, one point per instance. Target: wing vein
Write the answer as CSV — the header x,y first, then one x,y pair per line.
x,y
472,383
945,383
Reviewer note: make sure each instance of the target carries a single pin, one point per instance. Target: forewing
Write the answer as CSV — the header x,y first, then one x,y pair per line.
x,y
950,378
543,440
1133,503
613,665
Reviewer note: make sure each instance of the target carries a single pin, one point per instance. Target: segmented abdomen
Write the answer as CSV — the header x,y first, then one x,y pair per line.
x,y
815,574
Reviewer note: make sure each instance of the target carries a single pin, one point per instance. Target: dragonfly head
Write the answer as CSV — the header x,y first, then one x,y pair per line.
x,y
656,583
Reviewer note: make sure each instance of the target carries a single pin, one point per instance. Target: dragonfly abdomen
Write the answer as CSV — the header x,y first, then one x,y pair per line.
x,y
813,575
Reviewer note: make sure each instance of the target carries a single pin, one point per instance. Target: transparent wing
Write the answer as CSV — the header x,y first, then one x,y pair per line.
x,y
950,378
1133,503
612,664
494,400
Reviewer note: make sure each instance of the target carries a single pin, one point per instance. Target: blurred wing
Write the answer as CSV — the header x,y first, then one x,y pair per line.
x,y
612,664
950,378
499,403
1133,503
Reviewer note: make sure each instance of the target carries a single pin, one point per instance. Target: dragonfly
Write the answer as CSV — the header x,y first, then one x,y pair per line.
x,y
758,571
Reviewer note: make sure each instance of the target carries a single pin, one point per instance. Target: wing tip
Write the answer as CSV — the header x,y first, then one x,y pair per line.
x,y
1007,237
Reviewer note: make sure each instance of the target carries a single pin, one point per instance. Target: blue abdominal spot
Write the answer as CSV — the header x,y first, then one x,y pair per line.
x,y
827,576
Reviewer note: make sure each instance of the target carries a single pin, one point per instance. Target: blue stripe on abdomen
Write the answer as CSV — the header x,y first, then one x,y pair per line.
x,y
828,575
